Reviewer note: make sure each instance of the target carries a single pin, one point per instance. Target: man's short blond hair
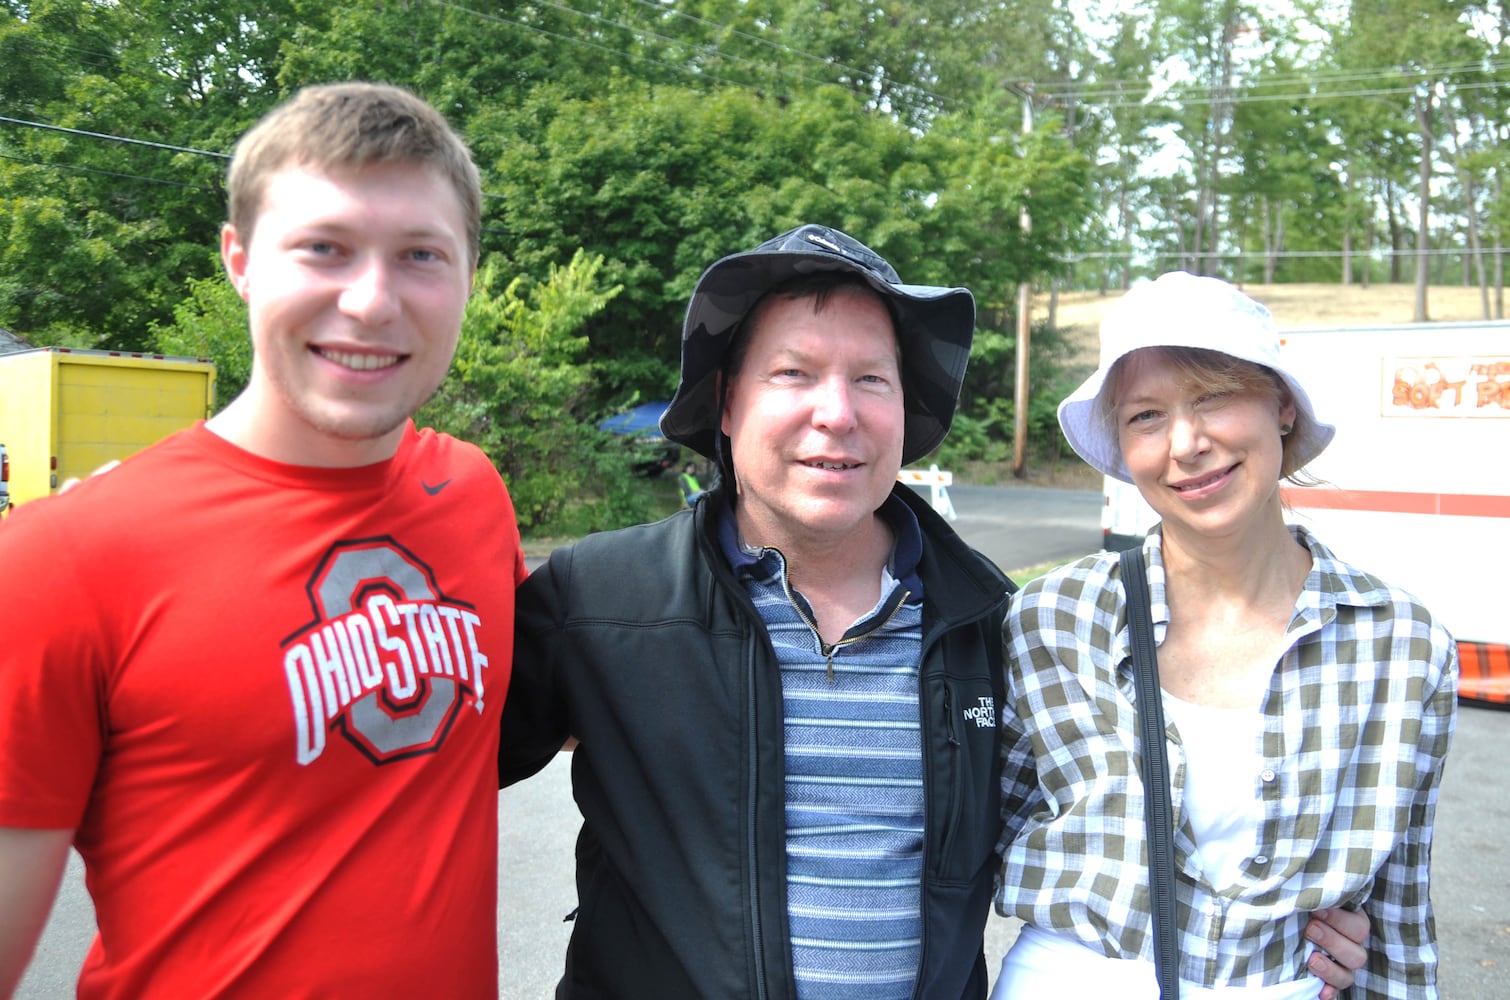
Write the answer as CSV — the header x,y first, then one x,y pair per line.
x,y
348,125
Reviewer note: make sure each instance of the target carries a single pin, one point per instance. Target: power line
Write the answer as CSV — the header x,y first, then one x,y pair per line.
x,y
634,56
1221,255
1180,96
642,32
108,173
115,138
1131,91
575,41
1057,95
135,142
858,75
778,46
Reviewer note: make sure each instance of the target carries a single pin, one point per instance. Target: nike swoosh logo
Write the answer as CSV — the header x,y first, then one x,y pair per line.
x,y
433,490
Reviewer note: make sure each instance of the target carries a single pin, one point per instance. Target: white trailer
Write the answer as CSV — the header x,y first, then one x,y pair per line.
x,y
1416,485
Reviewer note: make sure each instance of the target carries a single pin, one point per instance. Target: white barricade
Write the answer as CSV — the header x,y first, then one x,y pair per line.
x,y
938,484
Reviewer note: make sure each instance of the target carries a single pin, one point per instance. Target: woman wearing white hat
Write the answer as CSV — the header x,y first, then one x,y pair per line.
x,y
1308,704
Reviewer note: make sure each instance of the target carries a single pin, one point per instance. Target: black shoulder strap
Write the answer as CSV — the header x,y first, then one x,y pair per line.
x,y
1158,809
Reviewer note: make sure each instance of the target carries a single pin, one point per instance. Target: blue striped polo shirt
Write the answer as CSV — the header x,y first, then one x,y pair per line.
x,y
854,773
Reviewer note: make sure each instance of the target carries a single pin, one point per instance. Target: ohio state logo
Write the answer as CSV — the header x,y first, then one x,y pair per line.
x,y
388,662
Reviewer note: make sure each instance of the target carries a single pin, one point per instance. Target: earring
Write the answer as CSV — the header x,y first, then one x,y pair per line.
x,y
1284,429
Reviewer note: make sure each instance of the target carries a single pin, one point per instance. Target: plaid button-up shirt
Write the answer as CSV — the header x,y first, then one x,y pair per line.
x,y
1357,720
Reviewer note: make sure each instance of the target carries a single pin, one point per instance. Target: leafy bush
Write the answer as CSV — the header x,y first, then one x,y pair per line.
x,y
984,428
211,323
519,391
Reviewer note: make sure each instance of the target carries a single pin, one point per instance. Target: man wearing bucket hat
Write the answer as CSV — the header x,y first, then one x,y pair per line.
x,y
786,696
1310,704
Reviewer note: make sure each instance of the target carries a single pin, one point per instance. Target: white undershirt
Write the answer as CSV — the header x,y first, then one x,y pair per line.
x,y
1221,804
1222,762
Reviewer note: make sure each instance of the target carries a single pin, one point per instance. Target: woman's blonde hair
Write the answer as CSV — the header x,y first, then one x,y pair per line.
x,y
1206,371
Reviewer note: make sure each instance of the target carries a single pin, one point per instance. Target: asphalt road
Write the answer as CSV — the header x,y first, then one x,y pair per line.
x,y
1027,526
1470,873
1016,528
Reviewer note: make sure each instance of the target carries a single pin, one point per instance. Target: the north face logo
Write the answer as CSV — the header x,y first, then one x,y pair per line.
x,y
983,712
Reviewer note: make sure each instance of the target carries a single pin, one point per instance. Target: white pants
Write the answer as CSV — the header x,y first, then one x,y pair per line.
x,y
1043,964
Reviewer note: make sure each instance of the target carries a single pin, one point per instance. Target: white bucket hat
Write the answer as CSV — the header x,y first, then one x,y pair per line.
x,y
1182,310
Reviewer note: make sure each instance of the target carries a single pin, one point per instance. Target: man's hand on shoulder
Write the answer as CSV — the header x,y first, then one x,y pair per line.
x,y
73,481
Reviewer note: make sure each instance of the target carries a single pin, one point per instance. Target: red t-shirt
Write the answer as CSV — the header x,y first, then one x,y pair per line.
x,y
267,698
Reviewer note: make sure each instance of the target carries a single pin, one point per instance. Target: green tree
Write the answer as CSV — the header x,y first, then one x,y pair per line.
x,y
1424,44
210,322
111,170
1286,194
519,391
660,181
654,137
1116,134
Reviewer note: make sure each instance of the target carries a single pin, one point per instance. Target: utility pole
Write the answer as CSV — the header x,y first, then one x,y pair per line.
x,y
1024,328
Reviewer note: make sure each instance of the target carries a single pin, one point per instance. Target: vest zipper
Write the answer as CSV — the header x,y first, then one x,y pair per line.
x,y
888,611
949,715
752,752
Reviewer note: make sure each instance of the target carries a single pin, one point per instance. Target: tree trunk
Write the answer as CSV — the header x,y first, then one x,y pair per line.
x,y
1124,272
1422,103
1179,232
1499,284
1279,244
1214,236
1273,226
1221,140
1499,254
1347,223
1372,239
1396,234
1263,229
1198,238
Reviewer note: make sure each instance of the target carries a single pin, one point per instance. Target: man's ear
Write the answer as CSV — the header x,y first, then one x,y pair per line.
x,y
233,254
721,389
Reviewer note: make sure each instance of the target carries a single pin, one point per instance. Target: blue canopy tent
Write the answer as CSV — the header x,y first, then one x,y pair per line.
x,y
642,421
642,426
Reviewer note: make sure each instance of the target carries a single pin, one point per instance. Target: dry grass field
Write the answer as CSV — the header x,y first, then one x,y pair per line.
x,y
1292,305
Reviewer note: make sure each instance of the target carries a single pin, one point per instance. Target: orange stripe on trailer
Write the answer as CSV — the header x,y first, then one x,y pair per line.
x,y
1392,502
1484,673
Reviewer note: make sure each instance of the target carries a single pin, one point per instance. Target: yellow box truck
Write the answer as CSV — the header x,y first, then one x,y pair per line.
x,y
65,412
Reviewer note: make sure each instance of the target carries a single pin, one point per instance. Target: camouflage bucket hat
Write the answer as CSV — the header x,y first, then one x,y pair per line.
x,y
935,326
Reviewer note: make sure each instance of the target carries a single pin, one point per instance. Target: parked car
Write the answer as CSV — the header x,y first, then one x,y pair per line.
x,y
4,479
